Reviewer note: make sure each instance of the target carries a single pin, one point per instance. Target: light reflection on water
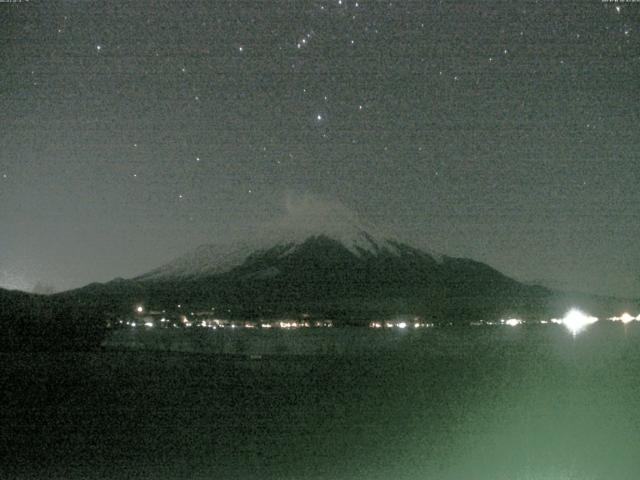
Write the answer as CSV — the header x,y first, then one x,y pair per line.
x,y
487,403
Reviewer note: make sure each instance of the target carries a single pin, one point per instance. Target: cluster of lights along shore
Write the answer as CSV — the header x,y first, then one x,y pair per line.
x,y
574,320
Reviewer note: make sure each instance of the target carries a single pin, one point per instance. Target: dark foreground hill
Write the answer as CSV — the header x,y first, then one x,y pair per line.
x,y
40,322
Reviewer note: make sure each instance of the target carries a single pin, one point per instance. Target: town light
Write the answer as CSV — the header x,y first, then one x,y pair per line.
x,y
624,318
512,322
139,309
575,320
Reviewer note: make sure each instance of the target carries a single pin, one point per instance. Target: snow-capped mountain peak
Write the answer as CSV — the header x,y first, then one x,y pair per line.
x,y
304,219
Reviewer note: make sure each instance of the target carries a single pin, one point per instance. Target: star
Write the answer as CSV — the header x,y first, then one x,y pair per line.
x,y
98,47
319,117
241,48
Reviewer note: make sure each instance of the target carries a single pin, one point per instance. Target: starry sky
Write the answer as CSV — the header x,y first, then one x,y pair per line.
x,y
507,132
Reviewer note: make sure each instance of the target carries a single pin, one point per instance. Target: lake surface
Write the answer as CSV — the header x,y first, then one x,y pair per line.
x,y
526,402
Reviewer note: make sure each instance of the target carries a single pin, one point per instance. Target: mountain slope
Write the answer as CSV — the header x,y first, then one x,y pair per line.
x,y
214,259
353,277
347,272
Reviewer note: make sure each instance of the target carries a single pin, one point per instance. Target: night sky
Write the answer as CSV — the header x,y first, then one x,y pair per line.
x,y
508,132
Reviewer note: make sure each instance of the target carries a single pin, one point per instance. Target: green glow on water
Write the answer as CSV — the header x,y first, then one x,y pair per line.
x,y
477,404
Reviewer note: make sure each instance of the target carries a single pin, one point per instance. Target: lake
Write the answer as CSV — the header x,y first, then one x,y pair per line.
x,y
525,402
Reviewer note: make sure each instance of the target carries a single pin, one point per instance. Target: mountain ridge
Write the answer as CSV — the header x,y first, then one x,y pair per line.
x,y
320,277
323,276
210,259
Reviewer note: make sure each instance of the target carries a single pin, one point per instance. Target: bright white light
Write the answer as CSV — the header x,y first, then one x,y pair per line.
x,y
624,318
402,325
512,322
575,320
139,309
148,324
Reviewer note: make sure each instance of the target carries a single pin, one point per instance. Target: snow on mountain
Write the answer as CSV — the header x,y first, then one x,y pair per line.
x,y
204,260
304,219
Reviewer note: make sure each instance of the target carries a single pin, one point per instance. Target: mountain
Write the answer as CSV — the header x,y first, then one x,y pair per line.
x,y
351,276
323,262
347,274
303,222
322,259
